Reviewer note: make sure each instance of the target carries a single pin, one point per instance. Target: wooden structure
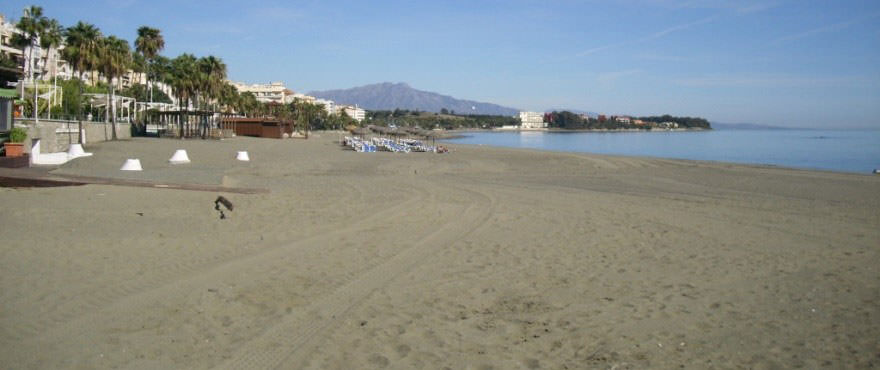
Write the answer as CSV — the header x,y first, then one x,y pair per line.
x,y
184,124
23,160
258,127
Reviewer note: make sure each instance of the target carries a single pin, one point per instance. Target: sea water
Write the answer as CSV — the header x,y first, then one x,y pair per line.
x,y
834,150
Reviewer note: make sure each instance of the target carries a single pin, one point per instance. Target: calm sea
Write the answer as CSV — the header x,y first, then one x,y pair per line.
x,y
845,151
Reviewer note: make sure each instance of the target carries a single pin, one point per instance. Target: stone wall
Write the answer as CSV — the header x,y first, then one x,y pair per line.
x,y
57,136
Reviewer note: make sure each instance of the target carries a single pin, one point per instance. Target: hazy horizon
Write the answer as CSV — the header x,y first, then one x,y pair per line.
x,y
779,63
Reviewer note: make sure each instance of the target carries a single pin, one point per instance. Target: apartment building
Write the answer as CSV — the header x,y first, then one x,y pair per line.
x,y
47,62
353,111
532,120
273,92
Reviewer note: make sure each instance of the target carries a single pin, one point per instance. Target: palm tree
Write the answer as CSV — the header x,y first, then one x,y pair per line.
x,y
227,97
213,73
148,44
248,104
36,29
81,44
183,79
51,38
212,78
115,59
306,113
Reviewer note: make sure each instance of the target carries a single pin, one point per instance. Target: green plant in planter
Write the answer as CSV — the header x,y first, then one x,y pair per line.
x,y
17,135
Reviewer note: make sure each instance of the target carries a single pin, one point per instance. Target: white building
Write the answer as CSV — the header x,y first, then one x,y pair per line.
x,y
303,97
354,112
532,120
266,93
47,63
7,30
329,105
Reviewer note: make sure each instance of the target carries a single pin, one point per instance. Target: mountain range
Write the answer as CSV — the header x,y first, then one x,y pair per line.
x,y
390,96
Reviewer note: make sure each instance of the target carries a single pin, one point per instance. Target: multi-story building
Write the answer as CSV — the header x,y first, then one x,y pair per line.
x,y
47,63
7,31
302,97
273,92
532,120
329,105
353,111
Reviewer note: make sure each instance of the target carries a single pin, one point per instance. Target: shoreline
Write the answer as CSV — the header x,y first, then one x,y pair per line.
x,y
744,162
695,161
561,130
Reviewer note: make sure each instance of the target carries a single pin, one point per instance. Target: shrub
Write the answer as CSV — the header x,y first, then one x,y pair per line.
x,y
17,135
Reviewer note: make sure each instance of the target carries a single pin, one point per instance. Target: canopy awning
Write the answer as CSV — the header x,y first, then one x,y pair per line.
x,y
8,93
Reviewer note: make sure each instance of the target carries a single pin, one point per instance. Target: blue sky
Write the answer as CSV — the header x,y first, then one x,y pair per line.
x,y
789,63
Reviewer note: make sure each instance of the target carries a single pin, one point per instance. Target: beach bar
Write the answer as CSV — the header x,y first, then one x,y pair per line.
x,y
259,127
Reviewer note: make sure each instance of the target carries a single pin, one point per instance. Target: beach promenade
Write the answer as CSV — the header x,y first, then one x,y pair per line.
x,y
479,258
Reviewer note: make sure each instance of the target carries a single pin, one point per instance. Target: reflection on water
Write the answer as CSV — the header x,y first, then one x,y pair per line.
x,y
850,151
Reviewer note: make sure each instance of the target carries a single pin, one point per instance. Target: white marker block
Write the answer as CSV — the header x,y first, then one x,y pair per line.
x,y
179,157
131,165
243,156
75,150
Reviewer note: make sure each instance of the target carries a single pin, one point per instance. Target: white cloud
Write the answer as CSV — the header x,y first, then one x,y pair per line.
x,y
756,7
769,81
740,7
679,27
653,36
275,14
614,76
598,49
826,28
661,58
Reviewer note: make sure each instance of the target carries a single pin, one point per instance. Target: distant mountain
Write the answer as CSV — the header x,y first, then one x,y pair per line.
x,y
745,126
390,96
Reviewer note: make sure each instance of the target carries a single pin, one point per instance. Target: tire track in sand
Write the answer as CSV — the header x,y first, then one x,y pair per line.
x,y
103,295
301,330
173,280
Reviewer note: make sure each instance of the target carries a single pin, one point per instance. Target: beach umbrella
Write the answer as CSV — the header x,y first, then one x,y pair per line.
x,y
361,131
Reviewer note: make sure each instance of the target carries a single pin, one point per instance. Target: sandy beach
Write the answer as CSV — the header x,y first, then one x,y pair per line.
x,y
480,258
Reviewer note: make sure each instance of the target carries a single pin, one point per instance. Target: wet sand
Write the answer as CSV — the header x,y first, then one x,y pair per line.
x,y
480,258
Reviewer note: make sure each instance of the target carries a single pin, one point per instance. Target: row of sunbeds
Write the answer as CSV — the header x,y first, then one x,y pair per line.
x,y
388,145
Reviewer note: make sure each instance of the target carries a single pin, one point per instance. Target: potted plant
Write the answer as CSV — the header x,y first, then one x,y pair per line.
x,y
15,145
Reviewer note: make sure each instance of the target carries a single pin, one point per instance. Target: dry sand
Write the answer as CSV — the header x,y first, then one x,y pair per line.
x,y
481,258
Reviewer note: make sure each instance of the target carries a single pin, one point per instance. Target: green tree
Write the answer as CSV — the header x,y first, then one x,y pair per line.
x,y
250,104
212,77
183,80
307,114
148,44
227,97
36,29
141,92
82,47
115,59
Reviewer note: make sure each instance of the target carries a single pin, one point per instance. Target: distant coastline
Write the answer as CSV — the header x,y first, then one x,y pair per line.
x,y
565,130
750,126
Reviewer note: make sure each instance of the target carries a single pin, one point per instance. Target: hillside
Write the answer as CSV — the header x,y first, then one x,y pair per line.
x,y
390,96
